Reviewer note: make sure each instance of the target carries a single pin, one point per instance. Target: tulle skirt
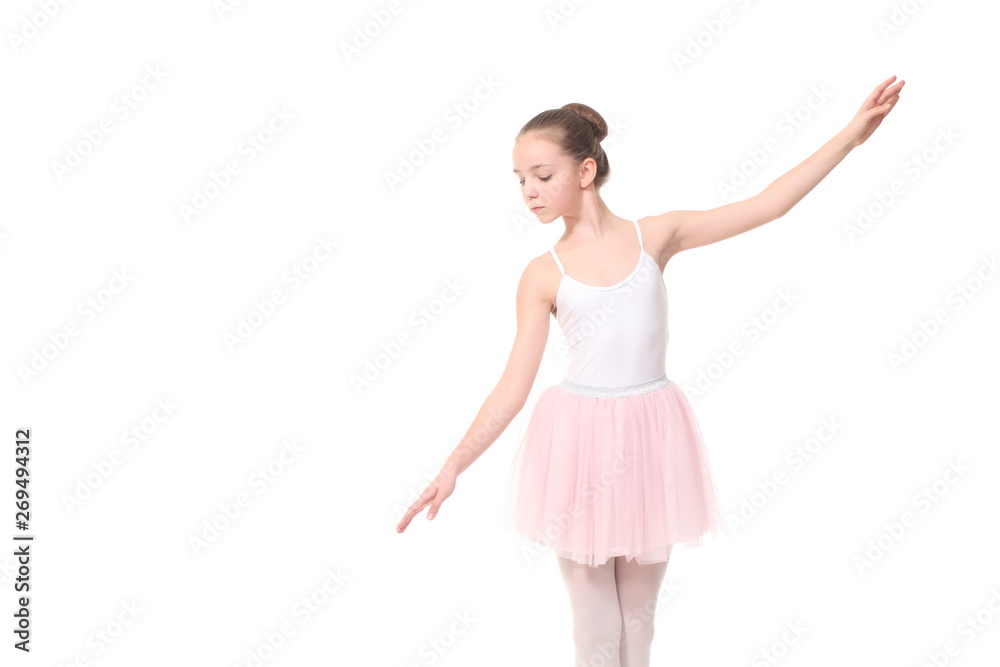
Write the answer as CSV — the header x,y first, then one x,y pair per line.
x,y
602,472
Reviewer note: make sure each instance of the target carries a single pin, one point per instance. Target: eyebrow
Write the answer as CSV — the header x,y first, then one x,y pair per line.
x,y
534,166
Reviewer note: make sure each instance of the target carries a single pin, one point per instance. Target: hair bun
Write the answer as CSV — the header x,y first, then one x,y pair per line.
x,y
591,116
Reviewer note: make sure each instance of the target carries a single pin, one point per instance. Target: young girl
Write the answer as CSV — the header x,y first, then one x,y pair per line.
x,y
611,473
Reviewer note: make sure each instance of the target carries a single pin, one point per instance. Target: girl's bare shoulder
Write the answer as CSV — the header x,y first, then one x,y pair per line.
x,y
540,280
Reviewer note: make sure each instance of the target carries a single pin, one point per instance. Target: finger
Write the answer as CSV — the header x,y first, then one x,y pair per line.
x,y
877,93
867,116
889,94
404,522
880,87
411,512
885,107
435,505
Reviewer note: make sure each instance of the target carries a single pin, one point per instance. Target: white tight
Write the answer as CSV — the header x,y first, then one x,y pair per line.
x,y
613,606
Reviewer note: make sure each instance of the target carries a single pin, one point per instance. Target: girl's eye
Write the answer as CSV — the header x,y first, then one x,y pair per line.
x,y
521,182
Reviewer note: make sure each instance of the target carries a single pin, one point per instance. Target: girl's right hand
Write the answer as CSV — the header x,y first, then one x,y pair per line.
x,y
434,494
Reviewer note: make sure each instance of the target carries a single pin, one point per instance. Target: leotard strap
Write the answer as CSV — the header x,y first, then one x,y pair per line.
x,y
558,263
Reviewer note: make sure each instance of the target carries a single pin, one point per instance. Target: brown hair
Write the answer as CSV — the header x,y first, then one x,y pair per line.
x,y
578,130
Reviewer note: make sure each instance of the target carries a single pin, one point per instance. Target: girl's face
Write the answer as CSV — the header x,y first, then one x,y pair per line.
x,y
550,183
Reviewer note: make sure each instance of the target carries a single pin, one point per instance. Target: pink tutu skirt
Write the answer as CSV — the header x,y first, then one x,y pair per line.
x,y
603,472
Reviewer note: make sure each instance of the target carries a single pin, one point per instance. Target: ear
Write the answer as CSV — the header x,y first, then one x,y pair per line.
x,y
588,172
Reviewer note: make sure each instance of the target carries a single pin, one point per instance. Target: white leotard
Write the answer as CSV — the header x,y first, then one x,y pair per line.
x,y
617,335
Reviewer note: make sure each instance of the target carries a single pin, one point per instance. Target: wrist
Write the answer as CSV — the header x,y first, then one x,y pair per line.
x,y
845,140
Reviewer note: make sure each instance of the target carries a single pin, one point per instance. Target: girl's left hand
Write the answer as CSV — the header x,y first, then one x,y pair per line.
x,y
875,108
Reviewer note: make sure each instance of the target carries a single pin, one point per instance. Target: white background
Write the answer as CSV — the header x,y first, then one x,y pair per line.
x,y
366,449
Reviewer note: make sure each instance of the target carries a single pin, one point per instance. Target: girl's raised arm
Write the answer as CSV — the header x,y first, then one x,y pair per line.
x,y
691,229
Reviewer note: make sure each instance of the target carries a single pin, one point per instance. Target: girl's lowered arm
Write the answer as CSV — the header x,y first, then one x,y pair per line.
x,y
506,399
511,391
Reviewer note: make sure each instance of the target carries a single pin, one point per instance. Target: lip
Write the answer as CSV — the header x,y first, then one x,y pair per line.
x,y
537,208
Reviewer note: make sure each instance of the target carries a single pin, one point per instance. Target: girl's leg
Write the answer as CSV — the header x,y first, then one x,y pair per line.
x,y
597,618
638,589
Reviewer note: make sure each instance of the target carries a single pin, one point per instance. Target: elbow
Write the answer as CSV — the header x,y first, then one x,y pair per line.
x,y
775,210
772,208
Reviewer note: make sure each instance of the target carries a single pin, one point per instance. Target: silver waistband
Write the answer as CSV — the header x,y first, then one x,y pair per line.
x,y
624,390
